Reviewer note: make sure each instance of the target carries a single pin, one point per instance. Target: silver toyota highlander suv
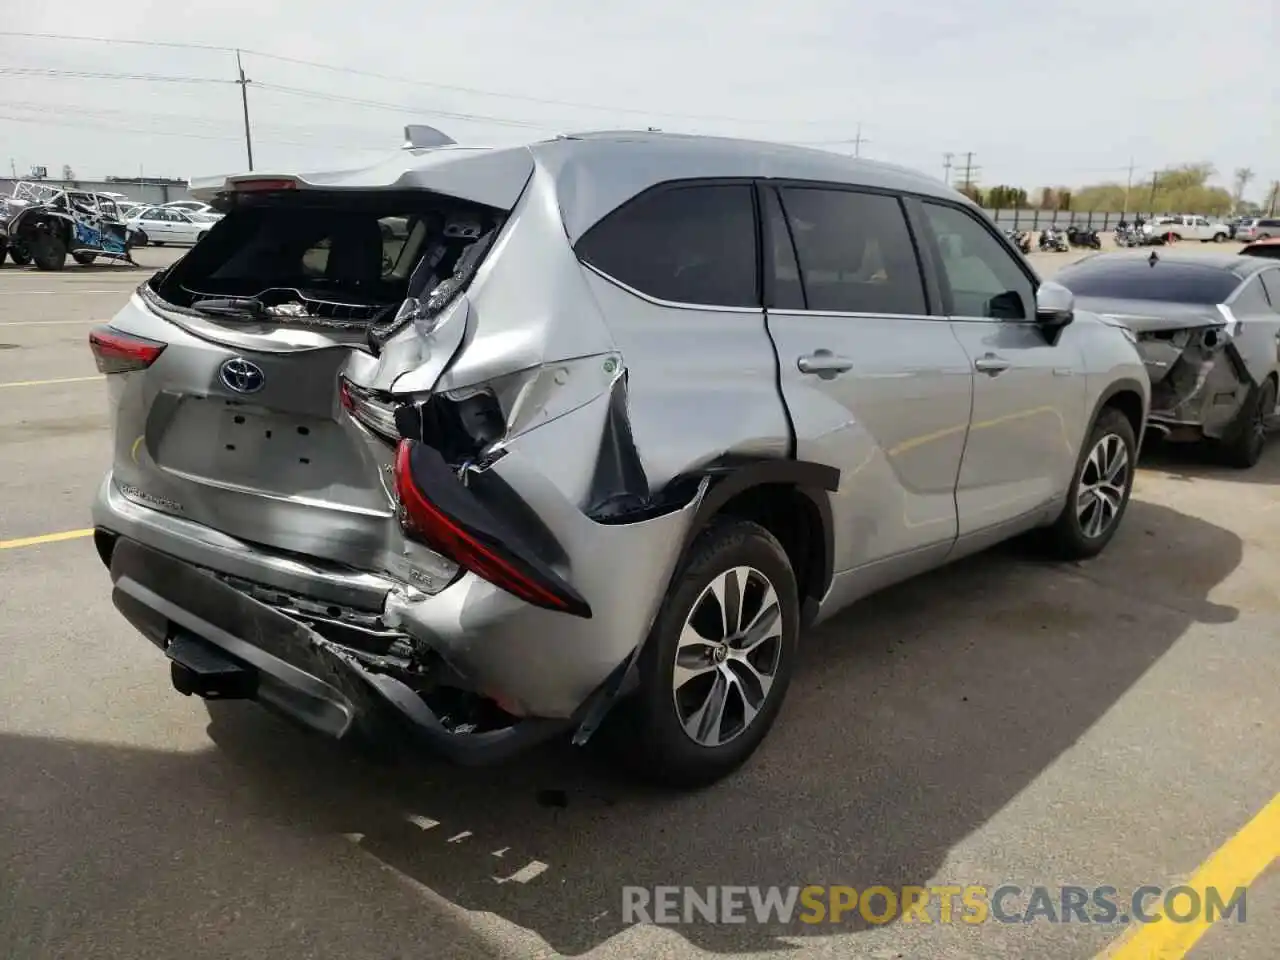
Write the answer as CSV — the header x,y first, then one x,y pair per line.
x,y
472,446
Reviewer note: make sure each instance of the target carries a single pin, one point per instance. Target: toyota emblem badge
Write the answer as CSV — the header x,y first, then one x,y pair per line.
x,y
242,376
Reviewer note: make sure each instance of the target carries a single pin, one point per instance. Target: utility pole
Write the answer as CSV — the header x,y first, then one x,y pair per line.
x,y
969,171
13,168
1128,185
1275,196
858,141
1155,182
946,168
244,103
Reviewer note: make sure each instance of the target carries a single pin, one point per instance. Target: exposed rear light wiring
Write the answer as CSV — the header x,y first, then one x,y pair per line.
x,y
115,351
451,522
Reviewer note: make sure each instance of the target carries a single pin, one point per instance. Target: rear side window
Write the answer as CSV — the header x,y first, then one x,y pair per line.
x,y
692,244
1135,278
855,251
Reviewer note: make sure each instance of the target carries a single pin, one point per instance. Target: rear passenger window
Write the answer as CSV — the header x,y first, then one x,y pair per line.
x,y
686,244
984,277
855,251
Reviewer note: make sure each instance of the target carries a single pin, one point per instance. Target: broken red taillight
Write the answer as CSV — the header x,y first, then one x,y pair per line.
x,y
115,351
451,522
264,185
370,411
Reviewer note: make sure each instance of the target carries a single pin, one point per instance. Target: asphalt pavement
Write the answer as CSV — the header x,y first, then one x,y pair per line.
x,y
1002,721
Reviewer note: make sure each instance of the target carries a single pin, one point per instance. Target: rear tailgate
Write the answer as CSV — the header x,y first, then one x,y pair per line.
x,y
239,424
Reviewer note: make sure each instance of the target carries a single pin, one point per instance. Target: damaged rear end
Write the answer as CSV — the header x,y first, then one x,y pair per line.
x,y
368,472
1199,379
1204,360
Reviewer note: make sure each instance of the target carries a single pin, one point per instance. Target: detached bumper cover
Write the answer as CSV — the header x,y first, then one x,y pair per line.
x,y
297,672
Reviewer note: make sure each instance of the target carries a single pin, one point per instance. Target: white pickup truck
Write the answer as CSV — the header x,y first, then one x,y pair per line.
x,y
1188,227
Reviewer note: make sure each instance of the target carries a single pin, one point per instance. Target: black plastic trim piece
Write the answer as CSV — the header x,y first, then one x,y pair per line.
x,y
438,483
812,479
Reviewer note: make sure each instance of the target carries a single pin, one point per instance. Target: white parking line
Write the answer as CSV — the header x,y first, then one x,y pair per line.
x,y
50,293
44,323
41,383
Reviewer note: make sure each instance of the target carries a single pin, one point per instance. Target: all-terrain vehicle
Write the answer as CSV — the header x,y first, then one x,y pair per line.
x,y
45,223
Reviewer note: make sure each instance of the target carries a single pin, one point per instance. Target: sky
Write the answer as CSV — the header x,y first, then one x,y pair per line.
x,y
1041,93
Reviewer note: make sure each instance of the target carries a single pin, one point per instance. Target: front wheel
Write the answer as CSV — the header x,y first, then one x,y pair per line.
x,y
1099,493
49,252
718,661
19,254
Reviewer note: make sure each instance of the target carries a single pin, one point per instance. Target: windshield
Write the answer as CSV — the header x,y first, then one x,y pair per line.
x,y
317,256
1137,279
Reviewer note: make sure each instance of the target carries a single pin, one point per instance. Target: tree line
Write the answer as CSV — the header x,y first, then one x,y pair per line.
x,y
1179,189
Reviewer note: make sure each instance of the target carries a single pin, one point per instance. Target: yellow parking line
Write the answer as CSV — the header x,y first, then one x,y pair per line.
x,y
41,383
1237,863
45,538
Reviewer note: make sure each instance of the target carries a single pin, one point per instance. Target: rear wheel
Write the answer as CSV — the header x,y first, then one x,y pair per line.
x,y
84,258
158,243
1099,493
1219,238
19,254
1248,438
716,667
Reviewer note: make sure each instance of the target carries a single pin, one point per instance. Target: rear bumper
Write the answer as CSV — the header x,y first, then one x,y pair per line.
x,y
292,669
535,663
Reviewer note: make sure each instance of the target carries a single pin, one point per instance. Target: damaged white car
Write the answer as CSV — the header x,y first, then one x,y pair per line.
x,y
1208,329
472,446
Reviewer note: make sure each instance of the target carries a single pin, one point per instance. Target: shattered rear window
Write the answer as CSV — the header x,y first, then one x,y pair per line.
x,y
318,256
1131,278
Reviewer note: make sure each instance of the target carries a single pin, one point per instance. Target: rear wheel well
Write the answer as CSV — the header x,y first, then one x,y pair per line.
x,y
1128,403
795,519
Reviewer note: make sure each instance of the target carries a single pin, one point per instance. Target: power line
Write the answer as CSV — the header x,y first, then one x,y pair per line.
x,y
94,75
78,123
400,107
374,75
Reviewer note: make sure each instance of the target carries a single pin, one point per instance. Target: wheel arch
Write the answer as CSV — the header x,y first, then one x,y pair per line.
x,y
790,499
1128,396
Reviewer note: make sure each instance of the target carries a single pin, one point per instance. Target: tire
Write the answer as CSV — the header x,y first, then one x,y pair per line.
x,y
49,252
84,259
140,238
157,243
1072,536
1219,238
657,714
19,255
1243,447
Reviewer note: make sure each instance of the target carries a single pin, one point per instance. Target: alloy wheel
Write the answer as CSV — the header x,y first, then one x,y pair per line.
x,y
1103,481
727,656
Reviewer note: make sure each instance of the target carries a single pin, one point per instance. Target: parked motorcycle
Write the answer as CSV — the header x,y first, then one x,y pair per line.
x,y
1052,239
1128,237
1083,237
1020,239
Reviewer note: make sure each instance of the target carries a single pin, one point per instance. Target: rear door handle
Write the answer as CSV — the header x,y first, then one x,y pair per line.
x,y
824,363
991,365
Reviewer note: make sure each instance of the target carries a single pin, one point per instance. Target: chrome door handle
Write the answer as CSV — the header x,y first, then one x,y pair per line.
x,y
991,364
824,363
